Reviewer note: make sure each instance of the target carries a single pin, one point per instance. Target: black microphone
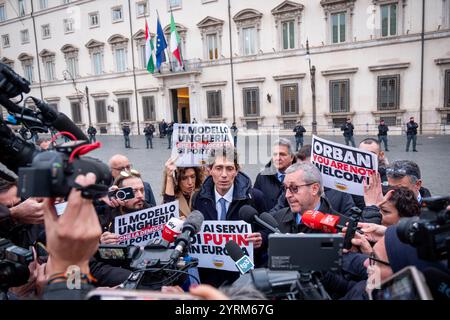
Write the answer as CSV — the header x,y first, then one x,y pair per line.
x,y
190,227
58,120
268,218
242,261
438,282
250,215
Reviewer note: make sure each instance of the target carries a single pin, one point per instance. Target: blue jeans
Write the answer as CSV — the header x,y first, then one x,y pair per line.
x,y
149,141
298,141
350,139
384,140
410,137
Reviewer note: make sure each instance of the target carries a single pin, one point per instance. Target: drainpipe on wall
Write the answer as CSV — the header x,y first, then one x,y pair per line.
x,y
37,50
421,66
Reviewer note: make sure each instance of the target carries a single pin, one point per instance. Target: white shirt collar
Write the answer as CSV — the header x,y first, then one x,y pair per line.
x,y
227,196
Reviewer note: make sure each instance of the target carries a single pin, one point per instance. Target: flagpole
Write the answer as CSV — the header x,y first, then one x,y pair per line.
x,y
165,50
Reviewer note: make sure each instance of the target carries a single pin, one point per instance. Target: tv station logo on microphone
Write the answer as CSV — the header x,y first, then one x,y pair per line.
x,y
244,264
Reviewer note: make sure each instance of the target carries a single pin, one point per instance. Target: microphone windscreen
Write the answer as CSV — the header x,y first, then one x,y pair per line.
x,y
248,213
234,250
311,218
63,123
269,219
194,220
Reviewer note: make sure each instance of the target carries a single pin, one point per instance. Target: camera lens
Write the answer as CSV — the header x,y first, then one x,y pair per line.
x,y
121,195
407,229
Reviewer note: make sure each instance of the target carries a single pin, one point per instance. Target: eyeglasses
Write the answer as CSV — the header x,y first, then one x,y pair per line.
x,y
373,258
399,172
294,189
130,173
127,167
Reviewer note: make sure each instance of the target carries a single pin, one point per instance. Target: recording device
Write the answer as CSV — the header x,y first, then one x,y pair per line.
x,y
53,173
407,284
123,194
242,261
155,265
294,252
430,232
250,215
14,263
330,223
50,173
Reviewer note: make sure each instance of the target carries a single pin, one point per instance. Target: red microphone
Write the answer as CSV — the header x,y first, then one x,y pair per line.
x,y
320,221
172,229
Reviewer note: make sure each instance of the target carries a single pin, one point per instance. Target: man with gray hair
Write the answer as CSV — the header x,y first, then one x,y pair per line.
x,y
270,180
406,173
303,188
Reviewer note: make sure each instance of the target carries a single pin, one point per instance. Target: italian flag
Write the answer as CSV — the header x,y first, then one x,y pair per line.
x,y
149,50
175,41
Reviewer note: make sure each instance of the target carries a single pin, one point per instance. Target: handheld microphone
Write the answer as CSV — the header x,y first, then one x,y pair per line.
x,y
172,229
191,226
330,223
268,218
438,282
243,263
250,215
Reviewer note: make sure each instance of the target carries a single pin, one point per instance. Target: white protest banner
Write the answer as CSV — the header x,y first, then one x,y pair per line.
x,y
140,227
208,246
192,142
343,168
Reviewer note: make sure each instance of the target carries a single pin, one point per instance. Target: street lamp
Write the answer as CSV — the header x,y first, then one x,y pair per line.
x,y
82,95
312,71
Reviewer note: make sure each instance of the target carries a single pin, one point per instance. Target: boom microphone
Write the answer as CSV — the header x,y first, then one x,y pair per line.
x,y
250,215
191,226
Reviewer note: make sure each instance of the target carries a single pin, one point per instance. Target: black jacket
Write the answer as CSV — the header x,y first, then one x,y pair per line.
x,y
267,182
169,130
126,131
340,201
348,129
411,128
204,201
383,130
92,131
148,131
299,130
287,220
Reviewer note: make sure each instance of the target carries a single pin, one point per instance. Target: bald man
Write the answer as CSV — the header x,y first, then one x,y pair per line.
x,y
118,163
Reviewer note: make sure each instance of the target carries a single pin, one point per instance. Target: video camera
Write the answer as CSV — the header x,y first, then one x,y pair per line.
x,y
50,173
152,266
430,232
14,263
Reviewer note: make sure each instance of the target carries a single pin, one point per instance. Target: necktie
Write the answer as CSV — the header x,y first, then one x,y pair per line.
x,y
223,209
281,178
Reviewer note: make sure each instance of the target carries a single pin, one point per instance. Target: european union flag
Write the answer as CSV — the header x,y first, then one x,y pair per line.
x,y
161,45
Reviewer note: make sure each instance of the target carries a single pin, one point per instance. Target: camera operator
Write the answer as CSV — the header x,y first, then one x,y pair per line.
x,y
72,239
23,221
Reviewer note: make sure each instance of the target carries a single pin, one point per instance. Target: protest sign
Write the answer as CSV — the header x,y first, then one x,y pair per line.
x,y
192,142
208,246
343,168
140,227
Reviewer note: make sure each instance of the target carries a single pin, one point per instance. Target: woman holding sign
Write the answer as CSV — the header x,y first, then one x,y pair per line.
x,y
180,184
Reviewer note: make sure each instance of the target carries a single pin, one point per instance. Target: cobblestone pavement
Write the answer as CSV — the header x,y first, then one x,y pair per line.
x,y
433,156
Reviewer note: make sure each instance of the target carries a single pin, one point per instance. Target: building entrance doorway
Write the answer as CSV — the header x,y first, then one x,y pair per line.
x,y
180,105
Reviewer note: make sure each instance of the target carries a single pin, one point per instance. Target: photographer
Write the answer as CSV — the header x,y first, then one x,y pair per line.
x,y
180,184
22,223
72,239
